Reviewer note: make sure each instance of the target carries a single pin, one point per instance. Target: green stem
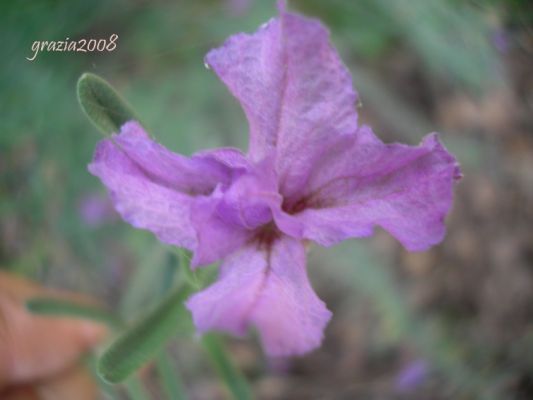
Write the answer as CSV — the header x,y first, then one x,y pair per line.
x,y
170,377
212,343
232,377
136,390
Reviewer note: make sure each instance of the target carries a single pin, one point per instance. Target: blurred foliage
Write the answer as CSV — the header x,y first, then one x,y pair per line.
x,y
449,37
46,142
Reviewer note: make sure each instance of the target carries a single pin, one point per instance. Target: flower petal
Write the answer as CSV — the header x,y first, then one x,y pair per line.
x,y
153,188
294,89
217,236
406,190
250,198
198,174
265,285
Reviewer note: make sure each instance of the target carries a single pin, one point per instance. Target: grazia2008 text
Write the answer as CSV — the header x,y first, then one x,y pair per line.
x,y
80,45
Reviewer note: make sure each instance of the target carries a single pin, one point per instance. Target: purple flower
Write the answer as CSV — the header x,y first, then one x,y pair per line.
x,y
95,210
311,173
500,40
412,375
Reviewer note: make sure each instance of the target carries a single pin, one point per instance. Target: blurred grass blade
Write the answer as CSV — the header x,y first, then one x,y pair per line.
x,y
141,342
232,377
170,378
372,277
106,109
59,307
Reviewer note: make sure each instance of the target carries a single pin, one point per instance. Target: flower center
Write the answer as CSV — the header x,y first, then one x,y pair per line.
x,y
267,234
294,207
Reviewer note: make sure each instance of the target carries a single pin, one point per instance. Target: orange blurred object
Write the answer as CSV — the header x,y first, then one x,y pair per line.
x,y
39,355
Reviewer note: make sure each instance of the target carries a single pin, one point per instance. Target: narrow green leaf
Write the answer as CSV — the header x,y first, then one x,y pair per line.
x,y
59,307
232,377
110,392
141,342
106,109
170,377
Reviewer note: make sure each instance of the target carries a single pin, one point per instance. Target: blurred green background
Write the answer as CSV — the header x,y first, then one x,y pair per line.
x,y
452,323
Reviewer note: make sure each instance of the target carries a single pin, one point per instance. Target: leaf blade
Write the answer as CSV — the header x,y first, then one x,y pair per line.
x,y
59,307
102,104
140,343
